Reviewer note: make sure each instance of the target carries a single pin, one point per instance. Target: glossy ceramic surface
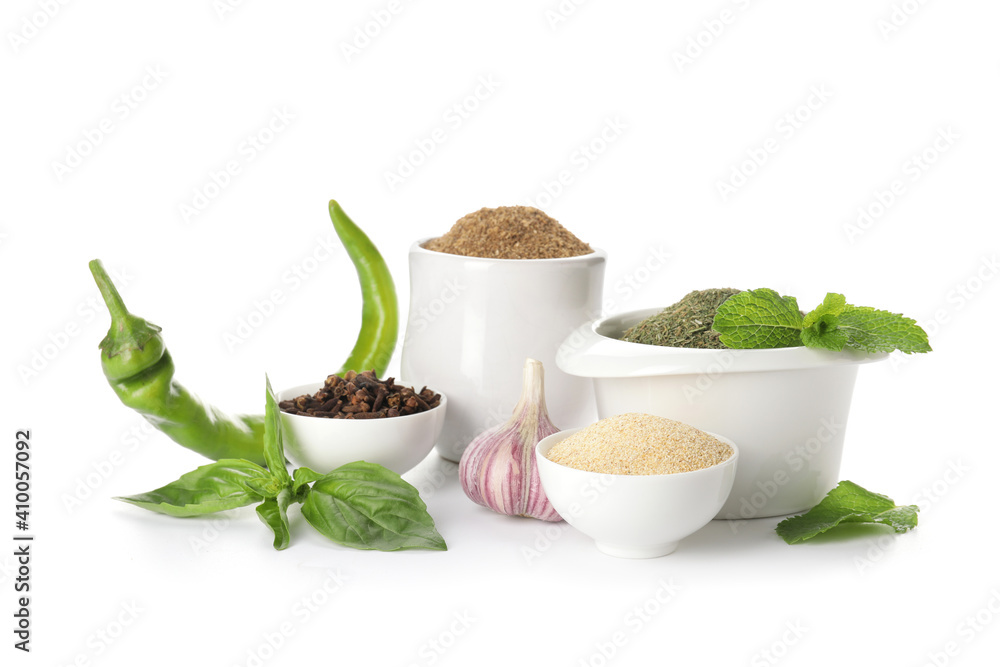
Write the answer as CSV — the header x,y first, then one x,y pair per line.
x,y
787,408
398,443
472,323
635,516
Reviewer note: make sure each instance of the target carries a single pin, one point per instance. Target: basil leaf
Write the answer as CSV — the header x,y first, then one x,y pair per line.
x,y
211,488
274,513
303,476
268,486
365,506
274,448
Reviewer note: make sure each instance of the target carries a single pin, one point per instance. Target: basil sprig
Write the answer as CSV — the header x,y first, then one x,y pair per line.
x,y
360,505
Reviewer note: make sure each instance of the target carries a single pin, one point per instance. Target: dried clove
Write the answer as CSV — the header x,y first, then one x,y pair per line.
x,y
361,396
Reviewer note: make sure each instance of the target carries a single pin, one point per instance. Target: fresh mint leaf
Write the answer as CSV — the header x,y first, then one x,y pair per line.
x,y
871,330
833,304
365,506
223,485
820,327
825,333
759,318
274,513
848,503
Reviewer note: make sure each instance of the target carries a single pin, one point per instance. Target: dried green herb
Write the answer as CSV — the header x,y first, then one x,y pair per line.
x,y
687,323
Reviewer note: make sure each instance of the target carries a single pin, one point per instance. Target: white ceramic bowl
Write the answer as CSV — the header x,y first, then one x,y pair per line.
x,y
398,443
787,407
635,516
473,321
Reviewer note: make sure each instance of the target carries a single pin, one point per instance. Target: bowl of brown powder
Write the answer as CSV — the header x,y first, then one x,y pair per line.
x,y
502,285
509,232
637,483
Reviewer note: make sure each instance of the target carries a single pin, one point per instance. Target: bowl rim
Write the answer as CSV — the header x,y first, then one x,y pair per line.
x,y
589,351
313,419
731,461
598,254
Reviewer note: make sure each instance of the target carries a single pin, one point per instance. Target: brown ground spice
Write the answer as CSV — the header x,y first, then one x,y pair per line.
x,y
509,232
639,444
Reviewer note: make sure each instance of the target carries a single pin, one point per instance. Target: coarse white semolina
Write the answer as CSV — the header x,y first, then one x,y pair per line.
x,y
639,444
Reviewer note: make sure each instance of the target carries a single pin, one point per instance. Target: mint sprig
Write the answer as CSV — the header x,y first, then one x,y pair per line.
x,y
761,318
848,503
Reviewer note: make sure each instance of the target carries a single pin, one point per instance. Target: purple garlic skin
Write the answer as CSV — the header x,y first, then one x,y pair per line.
x,y
498,468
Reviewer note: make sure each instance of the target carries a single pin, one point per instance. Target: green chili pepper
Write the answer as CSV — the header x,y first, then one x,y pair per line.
x,y
141,372
380,311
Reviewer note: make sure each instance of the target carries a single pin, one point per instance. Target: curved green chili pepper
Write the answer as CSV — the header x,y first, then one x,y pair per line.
x,y
379,311
141,372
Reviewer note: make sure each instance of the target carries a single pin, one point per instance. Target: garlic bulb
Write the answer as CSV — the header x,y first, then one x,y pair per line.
x,y
498,468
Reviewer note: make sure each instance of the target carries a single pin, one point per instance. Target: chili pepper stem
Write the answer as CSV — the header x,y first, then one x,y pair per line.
x,y
112,299
127,332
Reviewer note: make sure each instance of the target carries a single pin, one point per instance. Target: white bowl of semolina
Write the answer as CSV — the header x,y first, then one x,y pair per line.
x,y
636,483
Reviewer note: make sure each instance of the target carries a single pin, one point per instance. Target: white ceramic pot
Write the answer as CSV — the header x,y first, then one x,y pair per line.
x,y
635,516
786,407
472,323
398,443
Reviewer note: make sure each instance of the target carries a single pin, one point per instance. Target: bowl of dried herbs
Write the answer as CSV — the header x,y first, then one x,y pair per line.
x,y
752,366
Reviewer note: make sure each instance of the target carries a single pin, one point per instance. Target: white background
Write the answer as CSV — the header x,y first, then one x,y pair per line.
x,y
211,593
